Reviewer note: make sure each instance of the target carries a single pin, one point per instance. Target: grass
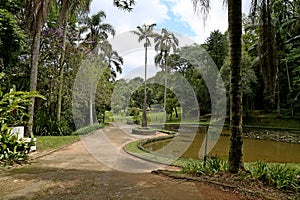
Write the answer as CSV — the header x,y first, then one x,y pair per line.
x,y
53,142
133,149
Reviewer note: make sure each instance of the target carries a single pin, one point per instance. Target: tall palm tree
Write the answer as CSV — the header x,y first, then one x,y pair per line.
x,y
145,33
97,35
36,12
235,159
165,42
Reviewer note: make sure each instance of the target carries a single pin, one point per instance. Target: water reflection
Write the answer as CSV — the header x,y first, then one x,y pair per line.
x,y
254,149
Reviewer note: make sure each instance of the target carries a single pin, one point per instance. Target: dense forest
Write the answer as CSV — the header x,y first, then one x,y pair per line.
x,y
43,44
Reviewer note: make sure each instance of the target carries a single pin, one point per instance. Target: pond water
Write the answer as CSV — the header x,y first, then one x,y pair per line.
x,y
191,145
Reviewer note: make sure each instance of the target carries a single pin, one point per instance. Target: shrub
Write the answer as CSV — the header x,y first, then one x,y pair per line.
x,y
12,111
12,150
47,125
211,166
87,129
278,175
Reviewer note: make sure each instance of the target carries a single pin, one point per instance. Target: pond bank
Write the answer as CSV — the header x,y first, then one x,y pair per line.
x,y
289,135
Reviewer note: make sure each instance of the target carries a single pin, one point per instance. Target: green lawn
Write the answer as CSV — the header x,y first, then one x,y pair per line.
x,y
53,142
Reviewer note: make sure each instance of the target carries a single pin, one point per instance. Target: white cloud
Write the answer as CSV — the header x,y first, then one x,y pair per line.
x,y
217,18
155,11
144,12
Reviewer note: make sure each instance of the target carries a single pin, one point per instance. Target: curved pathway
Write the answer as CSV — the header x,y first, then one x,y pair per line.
x,y
75,172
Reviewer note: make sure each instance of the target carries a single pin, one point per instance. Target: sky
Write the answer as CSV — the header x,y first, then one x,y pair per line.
x,y
177,16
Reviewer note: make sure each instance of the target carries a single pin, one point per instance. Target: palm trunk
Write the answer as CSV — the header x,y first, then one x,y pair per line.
x,y
166,82
91,109
235,159
144,118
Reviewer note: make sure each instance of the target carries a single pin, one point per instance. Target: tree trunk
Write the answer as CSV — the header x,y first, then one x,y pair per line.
x,y
91,109
34,70
144,117
63,21
176,113
166,82
235,159
36,12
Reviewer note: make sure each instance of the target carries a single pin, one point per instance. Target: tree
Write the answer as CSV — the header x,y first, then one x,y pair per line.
x,y
217,47
36,12
235,159
11,36
98,31
112,58
145,33
267,49
72,7
165,42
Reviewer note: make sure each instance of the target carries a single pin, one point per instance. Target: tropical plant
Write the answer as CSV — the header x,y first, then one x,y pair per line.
x,y
279,175
211,166
164,43
98,31
145,33
13,110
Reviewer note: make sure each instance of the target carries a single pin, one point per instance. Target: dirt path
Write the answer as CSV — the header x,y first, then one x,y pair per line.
x,y
74,173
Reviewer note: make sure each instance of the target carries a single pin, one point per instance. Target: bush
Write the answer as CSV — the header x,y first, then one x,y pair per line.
x,y
211,166
134,111
46,125
278,175
12,111
87,129
12,150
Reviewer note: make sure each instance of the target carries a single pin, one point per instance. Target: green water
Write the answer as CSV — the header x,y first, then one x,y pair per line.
x,y
188,145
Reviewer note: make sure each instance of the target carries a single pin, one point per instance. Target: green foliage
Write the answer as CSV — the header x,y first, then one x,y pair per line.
x,y
211,166
12,150
45,124
13,105
11,38
278,175
12,112
217,47
281,176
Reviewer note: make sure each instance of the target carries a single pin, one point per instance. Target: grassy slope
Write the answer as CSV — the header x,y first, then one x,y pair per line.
x,y
53,142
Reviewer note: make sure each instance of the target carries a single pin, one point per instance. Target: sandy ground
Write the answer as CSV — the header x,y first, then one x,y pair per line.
x,y
97,168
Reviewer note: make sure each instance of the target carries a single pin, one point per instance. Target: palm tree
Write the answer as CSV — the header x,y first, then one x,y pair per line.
x,y
36,12
145,33
112,58
267,50
97,35
235,159
98,31
164,43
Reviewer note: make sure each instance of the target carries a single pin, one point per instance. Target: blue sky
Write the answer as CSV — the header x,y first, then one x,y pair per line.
x,y
175,15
